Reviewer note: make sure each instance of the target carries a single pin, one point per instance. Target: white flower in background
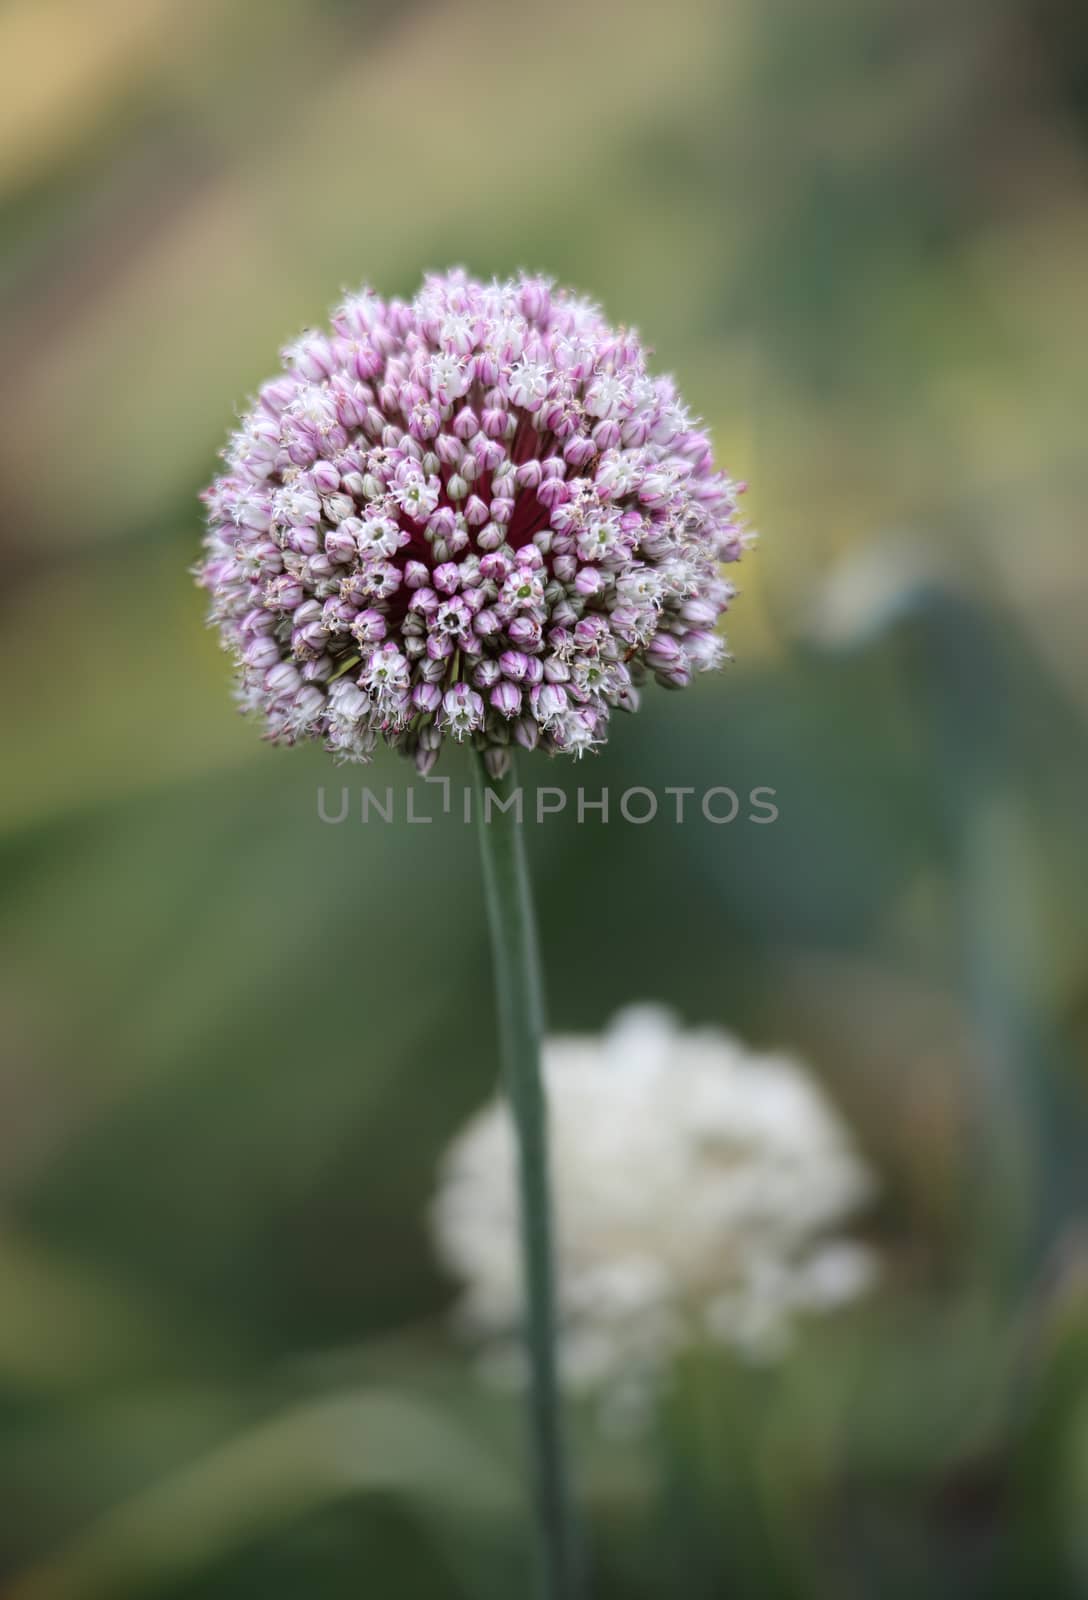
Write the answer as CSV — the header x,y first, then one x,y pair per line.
x,y
698,1190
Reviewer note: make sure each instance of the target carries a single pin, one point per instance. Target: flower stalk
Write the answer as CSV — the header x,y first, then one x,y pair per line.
x,y
521,1022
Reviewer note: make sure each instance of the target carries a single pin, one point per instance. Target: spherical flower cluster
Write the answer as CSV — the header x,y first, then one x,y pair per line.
x,y
474,515
698,1190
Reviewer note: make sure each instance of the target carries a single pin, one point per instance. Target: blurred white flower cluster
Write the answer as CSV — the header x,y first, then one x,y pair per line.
x,y
698,1190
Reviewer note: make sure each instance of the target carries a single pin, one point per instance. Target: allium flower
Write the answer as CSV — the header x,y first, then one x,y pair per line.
x,y
473,516
698,1190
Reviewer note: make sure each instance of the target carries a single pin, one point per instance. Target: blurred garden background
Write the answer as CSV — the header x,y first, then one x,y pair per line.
x,y
237,1039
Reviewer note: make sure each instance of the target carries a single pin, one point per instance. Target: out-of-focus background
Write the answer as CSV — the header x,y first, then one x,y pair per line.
x,y
237,1038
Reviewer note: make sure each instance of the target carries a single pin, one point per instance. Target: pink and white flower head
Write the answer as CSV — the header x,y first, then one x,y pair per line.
x,y
476,517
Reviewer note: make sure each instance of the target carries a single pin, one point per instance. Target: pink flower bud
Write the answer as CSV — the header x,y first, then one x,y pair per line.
x,y
514,665
495,567
491,536
447,577
426,697
700,612
552,492
340,545
258,621
555,670
663,652
506,698
577,452
548,701
325,477
283,593
442,523
282,680
525,632
263,651
369,627
527,733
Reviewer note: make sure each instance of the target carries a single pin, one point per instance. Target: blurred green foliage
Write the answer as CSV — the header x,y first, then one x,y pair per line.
x,y
237,1038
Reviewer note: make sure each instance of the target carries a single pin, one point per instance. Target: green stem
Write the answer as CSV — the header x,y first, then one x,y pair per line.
x,y
521,1022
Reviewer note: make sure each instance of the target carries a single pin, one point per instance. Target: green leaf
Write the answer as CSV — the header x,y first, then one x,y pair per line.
x,y
353,1443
